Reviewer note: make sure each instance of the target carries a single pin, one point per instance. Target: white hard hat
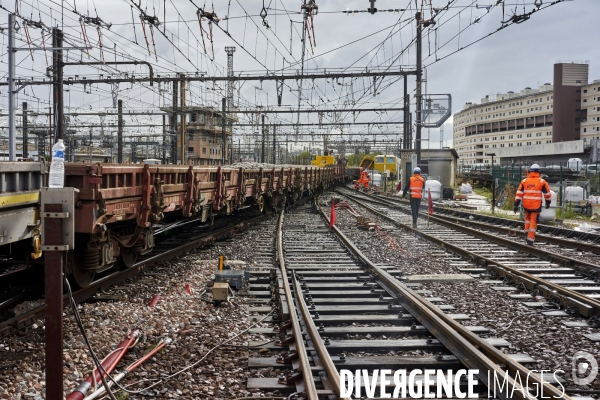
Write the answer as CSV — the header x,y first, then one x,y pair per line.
x,y
535,168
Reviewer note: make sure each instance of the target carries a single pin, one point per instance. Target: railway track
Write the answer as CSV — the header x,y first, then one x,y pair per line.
x,y
338,310
568,282
568,240
188,238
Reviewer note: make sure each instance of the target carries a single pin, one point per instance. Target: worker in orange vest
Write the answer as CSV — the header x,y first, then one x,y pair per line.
x,y
415,185
364,180
531,191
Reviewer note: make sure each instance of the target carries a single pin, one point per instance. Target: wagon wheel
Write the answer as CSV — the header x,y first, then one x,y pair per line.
x,y
127,257
81,276
260,201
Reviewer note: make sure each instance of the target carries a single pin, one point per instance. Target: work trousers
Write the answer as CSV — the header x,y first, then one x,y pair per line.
x,y
414,206
531,222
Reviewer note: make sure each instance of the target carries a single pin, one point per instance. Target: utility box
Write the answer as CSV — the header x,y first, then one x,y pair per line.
x,y
220,291
233,277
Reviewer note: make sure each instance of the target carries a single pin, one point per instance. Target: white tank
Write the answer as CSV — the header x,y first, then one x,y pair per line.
x,y
549,214
376,179
436,190
574,193
575,164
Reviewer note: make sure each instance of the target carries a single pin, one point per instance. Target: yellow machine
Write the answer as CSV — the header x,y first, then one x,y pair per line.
x,y
322,161
382,163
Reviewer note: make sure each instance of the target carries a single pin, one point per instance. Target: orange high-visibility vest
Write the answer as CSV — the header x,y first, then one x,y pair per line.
x,y
417,184
531,190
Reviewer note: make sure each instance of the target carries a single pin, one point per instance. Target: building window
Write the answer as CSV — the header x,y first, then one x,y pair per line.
x,y
584,130
204,150
190,149
584,90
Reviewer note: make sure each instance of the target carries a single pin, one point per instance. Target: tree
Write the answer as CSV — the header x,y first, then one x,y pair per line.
x,y
303,158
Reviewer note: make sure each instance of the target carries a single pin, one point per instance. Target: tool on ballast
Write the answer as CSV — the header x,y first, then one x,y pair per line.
x,y
227,279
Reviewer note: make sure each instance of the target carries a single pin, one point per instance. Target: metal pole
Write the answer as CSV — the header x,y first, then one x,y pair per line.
x,y
274,158
120,131
562,202
262,151
57,81
90,146
53,266
407,144
182,138
223,133
164,149
493,188
12,135
25,132
419,81
174,123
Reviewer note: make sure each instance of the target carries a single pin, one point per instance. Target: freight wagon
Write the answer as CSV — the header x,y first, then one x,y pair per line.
x,y
118,206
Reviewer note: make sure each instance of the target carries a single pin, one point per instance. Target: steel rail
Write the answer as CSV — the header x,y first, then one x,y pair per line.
x,y
559,241
540,253
309,382
470,349
564,232
324,356
568,298
21,321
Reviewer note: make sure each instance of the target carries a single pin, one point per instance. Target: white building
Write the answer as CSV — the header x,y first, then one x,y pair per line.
x,y
540,118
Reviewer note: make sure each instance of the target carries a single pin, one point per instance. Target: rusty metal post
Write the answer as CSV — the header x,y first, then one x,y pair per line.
x,y
58,206
53,265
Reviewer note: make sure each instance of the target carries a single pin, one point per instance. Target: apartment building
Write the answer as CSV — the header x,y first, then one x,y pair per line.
x,y
204,135
565,111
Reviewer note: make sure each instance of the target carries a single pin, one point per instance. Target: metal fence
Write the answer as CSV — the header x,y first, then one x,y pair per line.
x,y
557,173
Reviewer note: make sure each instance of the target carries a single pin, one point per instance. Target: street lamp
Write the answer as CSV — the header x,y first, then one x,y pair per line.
x,y
493,183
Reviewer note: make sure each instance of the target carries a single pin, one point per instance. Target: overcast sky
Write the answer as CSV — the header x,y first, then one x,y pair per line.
x,y
518,56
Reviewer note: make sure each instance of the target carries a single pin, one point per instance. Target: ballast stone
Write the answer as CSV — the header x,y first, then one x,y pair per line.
x,y
438,278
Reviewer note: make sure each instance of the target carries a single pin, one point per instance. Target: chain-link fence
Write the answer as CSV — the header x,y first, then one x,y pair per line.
x,y
554,172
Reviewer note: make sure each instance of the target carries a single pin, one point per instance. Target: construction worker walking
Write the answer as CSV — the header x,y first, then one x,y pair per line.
x,y
531,191
415,185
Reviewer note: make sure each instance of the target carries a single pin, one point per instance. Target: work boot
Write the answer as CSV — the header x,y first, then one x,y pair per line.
x,y
414,226
530,243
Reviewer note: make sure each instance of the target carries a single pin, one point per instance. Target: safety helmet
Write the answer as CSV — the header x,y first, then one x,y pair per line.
x,y
417,170
535,168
